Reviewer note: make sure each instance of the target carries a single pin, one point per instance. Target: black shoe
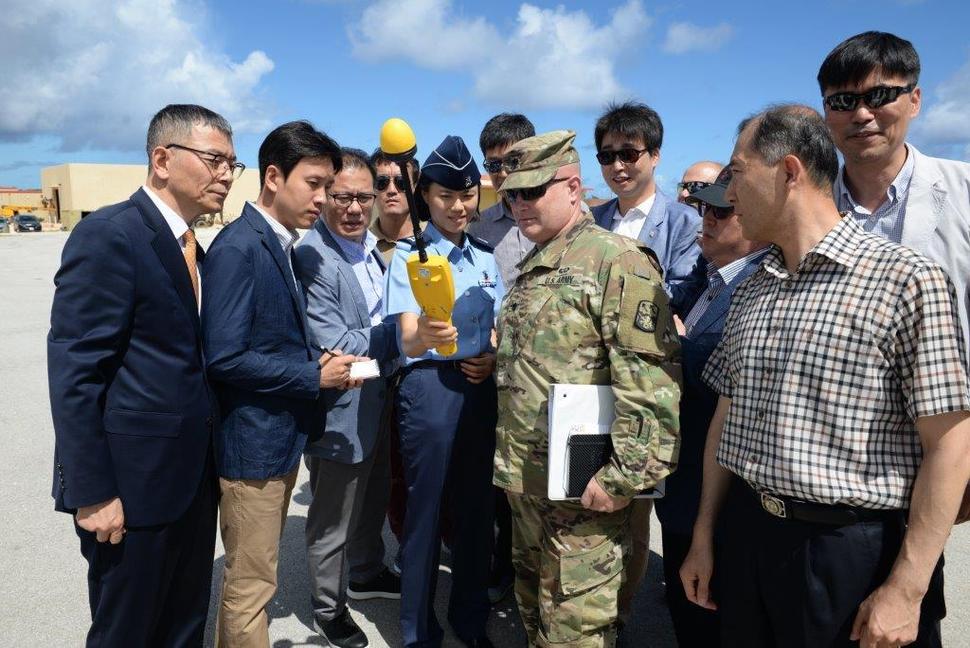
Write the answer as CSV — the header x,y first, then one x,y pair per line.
x,y
481,642
385,585
341,631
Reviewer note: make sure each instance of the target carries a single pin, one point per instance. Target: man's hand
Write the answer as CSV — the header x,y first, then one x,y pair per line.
x,y
435,333
335,370
681,329
695,574
478,368
596,499
887,618
106,520
964,513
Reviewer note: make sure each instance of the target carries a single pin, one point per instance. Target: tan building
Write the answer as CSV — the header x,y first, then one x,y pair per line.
x,y
75,190
20,201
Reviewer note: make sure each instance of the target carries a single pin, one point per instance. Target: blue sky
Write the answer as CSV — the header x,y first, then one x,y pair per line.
x,y
82,79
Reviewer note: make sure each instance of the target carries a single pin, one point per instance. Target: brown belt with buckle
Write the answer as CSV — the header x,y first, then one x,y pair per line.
x,y
828,514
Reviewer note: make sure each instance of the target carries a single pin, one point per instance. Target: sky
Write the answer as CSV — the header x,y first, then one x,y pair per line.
x,y
80,80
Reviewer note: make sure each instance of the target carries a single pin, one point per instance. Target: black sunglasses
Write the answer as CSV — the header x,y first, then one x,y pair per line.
x,y
531,193
874,98
719,213
383,182
626,155
693,185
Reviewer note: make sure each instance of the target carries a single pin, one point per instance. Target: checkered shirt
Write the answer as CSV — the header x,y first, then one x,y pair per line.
x,y
829,367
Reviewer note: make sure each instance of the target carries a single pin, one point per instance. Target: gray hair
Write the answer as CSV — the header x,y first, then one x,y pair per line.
x,y
174,123
794,129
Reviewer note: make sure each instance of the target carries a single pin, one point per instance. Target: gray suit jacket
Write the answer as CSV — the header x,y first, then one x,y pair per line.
x,y
937,222
338,317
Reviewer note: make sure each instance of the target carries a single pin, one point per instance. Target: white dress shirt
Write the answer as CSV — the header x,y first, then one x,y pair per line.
x,y
630,223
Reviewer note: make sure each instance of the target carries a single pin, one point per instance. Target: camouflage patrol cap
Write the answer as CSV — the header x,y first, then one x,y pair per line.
x,y
535,160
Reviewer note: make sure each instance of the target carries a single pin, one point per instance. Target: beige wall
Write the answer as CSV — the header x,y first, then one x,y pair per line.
x,y
87,187
32,199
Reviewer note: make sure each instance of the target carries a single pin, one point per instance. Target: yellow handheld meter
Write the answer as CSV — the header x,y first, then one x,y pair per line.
x,y
430,276
434,290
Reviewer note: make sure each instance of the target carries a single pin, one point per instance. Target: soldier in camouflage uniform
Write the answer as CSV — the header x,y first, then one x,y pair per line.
x,y
588,308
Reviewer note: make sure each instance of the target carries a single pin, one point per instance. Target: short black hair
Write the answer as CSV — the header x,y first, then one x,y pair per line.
x,y
794,129
289,143
631,119
505,129
354,158
857,57
174,122
379,157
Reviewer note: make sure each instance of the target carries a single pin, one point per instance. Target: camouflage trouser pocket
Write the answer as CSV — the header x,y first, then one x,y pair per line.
x,y
584,608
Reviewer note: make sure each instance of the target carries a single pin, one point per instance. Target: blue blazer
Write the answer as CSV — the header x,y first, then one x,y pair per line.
x,y
670,230
677,509
259,353
337,312
133,413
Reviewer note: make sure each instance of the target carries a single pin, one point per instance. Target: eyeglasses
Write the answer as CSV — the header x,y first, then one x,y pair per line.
x,y
626,155
719,213
531,193
365,200
216,163
384,181
875,98
494,165
693,185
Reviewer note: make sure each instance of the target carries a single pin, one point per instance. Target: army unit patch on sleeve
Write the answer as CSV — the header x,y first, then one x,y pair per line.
x,y
642,320
646,318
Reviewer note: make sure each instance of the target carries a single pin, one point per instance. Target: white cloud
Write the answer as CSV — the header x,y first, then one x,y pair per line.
x,y
685,37
92,73
945,123
551,58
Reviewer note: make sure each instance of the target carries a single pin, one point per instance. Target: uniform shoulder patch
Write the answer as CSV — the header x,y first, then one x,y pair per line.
x,y
645,324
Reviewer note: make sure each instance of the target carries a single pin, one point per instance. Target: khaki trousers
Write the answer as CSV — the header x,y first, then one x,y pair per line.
x,y
252,513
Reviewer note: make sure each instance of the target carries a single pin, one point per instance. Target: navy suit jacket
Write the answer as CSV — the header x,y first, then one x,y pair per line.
x,y
677,509
260,356
133,413
670,230
337,312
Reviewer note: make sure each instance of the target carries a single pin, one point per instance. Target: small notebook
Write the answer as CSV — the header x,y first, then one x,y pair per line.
x,y
580,444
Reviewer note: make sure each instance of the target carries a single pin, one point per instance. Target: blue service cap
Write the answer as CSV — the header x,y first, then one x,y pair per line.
x,y
451,165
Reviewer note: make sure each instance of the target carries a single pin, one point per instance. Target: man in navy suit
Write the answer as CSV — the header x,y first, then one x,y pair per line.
x,y
133,413
628,139
728,259
349,458
265,368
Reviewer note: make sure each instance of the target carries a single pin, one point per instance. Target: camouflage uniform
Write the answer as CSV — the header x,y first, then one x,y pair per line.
x,y
588,308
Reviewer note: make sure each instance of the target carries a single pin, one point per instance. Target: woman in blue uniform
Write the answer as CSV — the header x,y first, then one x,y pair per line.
x,y
447,407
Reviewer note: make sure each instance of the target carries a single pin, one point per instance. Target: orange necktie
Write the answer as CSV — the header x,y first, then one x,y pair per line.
x,y
189,252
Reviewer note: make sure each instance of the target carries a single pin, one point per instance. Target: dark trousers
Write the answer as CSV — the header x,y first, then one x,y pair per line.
x,y
794,584
694,626
447,434
502,554
152,589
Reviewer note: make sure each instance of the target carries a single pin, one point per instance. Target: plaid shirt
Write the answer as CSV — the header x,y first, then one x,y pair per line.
x,y
829,367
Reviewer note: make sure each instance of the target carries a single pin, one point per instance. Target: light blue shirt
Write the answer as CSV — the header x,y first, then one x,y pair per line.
x,y
478,292
887,220
370,274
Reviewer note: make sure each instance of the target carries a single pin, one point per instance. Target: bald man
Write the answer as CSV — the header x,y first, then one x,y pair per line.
x,y
699,172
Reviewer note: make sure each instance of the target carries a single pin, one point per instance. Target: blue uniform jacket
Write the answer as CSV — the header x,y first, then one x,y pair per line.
x,y
133,413
670,230
338,317
260,357
677,509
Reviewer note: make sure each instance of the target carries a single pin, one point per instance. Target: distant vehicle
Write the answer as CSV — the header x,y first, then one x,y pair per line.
x,y
4,225
26,223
